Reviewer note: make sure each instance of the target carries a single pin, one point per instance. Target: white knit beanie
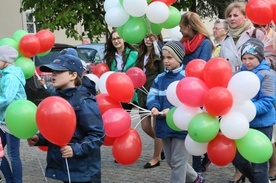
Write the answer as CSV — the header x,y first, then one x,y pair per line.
x,y
8,54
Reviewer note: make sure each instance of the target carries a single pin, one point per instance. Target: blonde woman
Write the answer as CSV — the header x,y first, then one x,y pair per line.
x,y
196,39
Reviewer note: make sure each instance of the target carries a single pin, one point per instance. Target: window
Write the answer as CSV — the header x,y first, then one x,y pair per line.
x,y
31,27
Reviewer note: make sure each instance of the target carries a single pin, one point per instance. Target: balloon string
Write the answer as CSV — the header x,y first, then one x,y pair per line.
x,y
141,120
40,165
69,179
139,107
145,92
145,89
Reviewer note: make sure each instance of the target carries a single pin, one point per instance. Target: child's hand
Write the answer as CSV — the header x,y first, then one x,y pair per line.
x,y
165,111
66,151
154,111
41,81
33,140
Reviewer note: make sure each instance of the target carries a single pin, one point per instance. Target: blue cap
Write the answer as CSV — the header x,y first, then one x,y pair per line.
x,y
64,62
69,51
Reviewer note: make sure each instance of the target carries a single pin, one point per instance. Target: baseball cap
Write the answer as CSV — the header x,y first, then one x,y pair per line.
x,y
64,62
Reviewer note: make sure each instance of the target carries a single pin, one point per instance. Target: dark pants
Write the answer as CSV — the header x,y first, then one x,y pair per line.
x,y
255,172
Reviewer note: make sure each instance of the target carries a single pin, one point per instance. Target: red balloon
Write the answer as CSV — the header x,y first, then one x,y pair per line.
x,y
167,2
56,120
109,141
137,76
217,72
120,87
264,15
273,7
190,91
99,69
116,122
43,148
218,101
29,45
46,39
127,149
221,150
195,68
105,102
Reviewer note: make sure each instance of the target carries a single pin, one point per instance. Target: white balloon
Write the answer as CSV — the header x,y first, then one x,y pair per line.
x,y
175,33
94,78
183,114
135,8
243,86
116,16
108,4
102,81
195,148
234,125
171,94
247,108
157,12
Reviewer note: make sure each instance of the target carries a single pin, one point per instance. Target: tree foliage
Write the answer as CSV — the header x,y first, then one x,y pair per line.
x,y
64,14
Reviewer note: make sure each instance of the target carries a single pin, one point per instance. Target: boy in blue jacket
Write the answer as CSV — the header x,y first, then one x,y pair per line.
x,y
252,56
83,150
173,141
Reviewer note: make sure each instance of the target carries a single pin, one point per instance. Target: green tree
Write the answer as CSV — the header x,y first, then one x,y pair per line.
x,y
66,14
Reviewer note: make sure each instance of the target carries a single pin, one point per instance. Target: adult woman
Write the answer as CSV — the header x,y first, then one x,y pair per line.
x,y
120,56
240,30
196,39
220,31
152,65
198,45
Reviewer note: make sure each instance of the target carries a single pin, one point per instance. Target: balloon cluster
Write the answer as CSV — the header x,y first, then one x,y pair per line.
x,y
216,109
261,12
135,19
29,45
117,87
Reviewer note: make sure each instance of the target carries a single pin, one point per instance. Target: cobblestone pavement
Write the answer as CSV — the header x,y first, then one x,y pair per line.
x,y
33,160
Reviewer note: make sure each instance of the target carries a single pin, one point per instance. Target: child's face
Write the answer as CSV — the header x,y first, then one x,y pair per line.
x,y
63,79
2,64
250,61
169,61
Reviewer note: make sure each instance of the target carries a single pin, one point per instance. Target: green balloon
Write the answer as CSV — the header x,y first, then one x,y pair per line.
x,y
155,28
43,54
203,127
173,20
134,30
120,31
170,122
10,42
148,1
17,35
27,66
20,118
255,146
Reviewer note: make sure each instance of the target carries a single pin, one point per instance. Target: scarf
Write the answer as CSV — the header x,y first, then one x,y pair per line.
x,y
236,32
191,45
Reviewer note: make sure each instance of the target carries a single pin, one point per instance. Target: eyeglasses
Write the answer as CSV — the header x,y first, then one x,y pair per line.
x,y
115,38
215,28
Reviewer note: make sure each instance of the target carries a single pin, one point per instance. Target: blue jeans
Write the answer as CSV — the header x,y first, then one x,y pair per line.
x,y
255,172
12,174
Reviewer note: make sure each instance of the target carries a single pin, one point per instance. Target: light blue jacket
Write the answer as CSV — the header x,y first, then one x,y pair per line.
x,y
265,98
12,82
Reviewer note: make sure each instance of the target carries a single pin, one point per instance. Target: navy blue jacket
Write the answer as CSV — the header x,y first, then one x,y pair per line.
x,y
85,165
157,98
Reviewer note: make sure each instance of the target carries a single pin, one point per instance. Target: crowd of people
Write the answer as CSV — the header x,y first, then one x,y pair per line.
x,y
236,39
